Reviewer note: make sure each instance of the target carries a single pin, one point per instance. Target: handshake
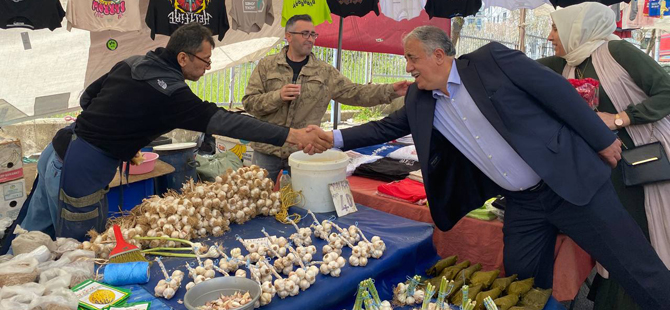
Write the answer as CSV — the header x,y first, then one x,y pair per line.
x,y
311,140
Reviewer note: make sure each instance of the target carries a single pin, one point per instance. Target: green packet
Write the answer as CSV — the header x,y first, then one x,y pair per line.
x,y
142,305
94,295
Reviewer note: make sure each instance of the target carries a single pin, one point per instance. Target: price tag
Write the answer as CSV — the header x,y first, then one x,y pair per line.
x,y
342,198
259,241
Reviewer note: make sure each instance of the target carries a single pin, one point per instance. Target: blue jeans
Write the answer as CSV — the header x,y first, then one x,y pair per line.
x,y
271,163
43,205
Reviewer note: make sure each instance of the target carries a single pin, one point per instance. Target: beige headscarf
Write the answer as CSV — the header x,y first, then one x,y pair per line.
x,y
582,28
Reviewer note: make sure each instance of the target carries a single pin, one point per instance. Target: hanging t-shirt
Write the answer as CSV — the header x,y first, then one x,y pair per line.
x,y
344,8
250,15
402,9
100,15
317,9
165,16
452,8
31,14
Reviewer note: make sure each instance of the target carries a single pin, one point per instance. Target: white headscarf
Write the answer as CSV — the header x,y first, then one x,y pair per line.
x,y
582,28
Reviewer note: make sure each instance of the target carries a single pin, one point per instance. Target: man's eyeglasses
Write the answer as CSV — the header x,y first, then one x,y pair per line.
x,y
306,34
208,62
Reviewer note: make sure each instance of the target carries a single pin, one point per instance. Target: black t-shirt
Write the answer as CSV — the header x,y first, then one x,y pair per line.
x,y
387,169
344,8
296,66
165,16
31,14
452,8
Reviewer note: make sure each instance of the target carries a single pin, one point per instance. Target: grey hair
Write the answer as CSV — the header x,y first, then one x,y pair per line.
x,y
188,38
432,39
290,23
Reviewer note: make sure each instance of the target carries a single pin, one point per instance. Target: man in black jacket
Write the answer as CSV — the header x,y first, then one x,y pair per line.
x,y
141,98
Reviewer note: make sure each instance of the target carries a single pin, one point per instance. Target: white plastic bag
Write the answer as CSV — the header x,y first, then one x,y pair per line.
x,y
41,253
18,271
35,289
77,254
64,245
27,242
81,270
61,299
54,279
14,305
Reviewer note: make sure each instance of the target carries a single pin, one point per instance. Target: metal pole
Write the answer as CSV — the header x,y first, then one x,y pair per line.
x,y
522,31
335,108
657,46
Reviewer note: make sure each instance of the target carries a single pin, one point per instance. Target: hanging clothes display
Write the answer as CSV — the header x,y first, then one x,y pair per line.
x,y
516,4
100,15
250,15
31,14
564,3
452,8
633,16
402,9
344,8
317,9
165,16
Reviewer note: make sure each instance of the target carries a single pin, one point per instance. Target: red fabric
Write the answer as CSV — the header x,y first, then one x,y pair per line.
x,y
405,189
481,241
372,33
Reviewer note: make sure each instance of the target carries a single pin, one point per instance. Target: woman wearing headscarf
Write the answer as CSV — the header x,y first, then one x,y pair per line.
x,y
634,101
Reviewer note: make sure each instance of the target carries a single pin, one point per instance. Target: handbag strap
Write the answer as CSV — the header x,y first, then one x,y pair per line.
x,y
651,135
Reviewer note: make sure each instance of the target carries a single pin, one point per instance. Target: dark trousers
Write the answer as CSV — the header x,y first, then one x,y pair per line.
x,y
602,228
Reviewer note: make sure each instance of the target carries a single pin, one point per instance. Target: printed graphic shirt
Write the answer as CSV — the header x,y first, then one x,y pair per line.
x,y
31,14
250,15
99,15
451,8
402,9
165,16
317,9
344,8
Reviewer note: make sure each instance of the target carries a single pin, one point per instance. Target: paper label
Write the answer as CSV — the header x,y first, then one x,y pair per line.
x,y
96,296
259,241
342,198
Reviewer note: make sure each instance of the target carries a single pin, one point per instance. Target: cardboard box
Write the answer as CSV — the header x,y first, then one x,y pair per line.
x,y
12,199
241,148
11,159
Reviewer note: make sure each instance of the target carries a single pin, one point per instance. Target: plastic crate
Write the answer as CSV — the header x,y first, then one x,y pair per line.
x,y
132,195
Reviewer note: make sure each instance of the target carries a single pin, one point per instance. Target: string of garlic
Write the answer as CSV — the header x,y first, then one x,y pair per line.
x,y
167,287
302,237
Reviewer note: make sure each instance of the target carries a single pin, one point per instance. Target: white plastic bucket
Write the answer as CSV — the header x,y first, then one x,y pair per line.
x,y
311,174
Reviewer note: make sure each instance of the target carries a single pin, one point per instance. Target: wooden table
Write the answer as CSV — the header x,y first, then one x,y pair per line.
x,y
480,241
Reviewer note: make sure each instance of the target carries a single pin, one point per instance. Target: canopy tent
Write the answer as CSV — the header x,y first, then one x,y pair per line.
x,y
44,72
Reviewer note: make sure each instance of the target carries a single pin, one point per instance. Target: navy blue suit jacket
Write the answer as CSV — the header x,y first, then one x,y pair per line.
x,y
534,109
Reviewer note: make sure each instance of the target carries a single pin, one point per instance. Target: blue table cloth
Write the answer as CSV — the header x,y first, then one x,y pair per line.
x,y
409,251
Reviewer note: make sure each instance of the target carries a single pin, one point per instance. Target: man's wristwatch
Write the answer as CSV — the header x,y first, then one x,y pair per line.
x,y
618,121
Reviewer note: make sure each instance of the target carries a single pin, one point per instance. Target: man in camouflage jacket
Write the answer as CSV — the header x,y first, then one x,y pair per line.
x,y
277,94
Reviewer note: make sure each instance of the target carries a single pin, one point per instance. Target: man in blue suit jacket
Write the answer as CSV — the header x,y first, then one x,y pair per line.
x,y
494,121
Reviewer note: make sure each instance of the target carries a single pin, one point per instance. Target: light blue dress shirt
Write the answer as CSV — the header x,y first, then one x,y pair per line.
x,y
458,119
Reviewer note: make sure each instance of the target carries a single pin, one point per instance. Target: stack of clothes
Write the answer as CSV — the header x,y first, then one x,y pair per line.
x,y
396,163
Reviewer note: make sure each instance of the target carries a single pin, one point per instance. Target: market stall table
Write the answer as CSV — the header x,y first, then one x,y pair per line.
x,y
480,241
409,251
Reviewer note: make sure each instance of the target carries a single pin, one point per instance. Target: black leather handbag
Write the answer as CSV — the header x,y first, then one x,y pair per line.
x,y
645,164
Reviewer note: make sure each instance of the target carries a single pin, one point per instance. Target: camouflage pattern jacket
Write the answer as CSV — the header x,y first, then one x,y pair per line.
x,y
320,82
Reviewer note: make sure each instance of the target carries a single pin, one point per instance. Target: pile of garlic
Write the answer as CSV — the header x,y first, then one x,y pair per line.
x,y
202,209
